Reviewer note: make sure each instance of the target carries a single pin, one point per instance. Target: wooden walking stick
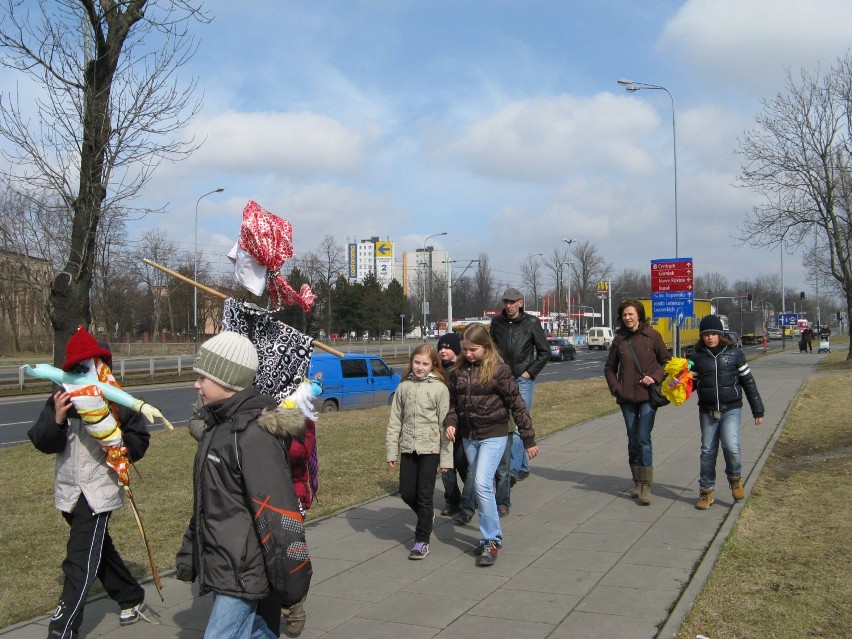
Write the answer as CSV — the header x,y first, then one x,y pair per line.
x,y
220,295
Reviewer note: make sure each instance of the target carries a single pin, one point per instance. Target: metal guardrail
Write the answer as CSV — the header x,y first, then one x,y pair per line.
x,y
156,366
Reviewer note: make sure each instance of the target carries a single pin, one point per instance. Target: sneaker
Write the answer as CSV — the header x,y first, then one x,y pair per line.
x,y
462,519
737,488
419,550
705,498
513,479
502,511
477,549
489,554
295,623
523,474
130,615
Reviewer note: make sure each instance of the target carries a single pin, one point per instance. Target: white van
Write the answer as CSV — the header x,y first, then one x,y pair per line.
x,y
599,337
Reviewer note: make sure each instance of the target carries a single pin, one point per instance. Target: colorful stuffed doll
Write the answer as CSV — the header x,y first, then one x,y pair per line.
x,y
677,384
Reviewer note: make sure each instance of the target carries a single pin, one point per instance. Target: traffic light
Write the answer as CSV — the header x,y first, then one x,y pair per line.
x,y
749,296
802,296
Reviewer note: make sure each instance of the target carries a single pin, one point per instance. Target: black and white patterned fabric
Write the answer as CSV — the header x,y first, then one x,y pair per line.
x,y
283,352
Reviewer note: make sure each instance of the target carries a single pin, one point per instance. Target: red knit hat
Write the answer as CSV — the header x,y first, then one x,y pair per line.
x,y
82,346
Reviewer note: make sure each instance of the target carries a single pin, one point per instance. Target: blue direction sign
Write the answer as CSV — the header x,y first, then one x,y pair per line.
x,y
788,319
676,304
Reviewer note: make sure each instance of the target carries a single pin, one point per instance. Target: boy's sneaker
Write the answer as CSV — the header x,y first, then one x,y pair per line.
x,y
705,499
489,554
502,511
130,615
419,550
477,549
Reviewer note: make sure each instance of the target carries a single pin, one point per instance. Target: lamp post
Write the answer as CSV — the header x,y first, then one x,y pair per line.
x,y
429,266
195,266
633,86
570,319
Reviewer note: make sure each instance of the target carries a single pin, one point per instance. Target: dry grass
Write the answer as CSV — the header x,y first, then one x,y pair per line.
x,y
784,571
352,470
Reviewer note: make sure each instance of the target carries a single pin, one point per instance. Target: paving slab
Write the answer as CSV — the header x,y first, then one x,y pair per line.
x,y
581,559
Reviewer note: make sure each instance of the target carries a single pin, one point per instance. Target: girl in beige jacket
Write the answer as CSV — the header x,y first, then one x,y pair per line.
x,y
416,441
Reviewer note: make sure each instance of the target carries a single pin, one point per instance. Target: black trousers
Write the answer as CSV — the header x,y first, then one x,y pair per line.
x,y
90,554
417,488
454,497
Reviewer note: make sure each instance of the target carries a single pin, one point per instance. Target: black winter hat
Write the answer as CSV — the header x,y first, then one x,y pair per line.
x,y
451,341
710,324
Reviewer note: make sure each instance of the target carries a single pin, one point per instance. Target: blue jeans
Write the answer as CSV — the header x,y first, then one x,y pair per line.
x,y
520,461
715,427
639,420
233,618
484,456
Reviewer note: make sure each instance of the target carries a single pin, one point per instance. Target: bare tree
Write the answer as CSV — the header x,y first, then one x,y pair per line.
x,y
799,158
588,268
484,288
531,276
322,268
109,110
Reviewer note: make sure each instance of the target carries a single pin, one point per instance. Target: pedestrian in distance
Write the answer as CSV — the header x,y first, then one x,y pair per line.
x,y
415,439
722,376
246,538
459,502
521,342
483,394
636,360
87,488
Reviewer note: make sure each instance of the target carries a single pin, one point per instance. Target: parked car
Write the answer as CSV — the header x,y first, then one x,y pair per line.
x,y
599,337
353,381
774,333
735,338
561,349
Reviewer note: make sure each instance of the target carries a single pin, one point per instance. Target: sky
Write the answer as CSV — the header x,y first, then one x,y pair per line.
x,y
499,122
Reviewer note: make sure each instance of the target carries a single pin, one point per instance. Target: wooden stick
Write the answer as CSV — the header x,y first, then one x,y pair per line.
x,y
220,295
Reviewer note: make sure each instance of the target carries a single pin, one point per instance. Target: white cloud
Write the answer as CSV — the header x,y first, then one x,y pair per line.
x,y
295,144
548,139
749,43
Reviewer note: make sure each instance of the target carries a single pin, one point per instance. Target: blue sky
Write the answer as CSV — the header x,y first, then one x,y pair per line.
x,y
499,122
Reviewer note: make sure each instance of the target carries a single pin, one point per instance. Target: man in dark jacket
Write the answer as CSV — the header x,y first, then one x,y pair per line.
x,y
522,344
246,538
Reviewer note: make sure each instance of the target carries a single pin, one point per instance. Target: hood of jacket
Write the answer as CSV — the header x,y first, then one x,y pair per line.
x,y
281,422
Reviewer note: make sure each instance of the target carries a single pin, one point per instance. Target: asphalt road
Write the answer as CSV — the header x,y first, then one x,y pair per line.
x,y
175,401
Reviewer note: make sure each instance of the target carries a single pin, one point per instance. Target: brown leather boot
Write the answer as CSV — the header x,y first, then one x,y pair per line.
x,y
634,470
705,499
737,488
646,478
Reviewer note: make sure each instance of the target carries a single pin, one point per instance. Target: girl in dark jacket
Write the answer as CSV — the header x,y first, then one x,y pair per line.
x,y
483,392
629,382
722,376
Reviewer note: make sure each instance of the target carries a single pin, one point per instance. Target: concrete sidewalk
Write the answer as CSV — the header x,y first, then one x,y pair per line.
x,y
580,558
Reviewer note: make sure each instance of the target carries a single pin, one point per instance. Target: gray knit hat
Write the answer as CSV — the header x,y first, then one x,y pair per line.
x,y
228,359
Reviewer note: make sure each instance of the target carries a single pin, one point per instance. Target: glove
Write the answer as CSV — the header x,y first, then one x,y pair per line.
x,y
150,412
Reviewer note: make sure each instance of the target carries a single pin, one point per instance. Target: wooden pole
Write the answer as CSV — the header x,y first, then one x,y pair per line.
x,y
220,295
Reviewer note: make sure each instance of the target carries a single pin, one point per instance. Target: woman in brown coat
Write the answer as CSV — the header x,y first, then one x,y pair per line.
x,y
629,386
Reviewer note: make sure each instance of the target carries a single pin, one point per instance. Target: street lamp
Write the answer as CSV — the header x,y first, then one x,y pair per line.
x,y
570,319
429,266
195,266
633,86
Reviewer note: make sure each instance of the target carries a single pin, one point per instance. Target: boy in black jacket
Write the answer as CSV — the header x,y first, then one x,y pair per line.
x,y
246,538
722,376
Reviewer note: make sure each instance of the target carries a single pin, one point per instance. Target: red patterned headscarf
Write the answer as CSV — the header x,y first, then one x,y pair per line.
x,y
269,240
